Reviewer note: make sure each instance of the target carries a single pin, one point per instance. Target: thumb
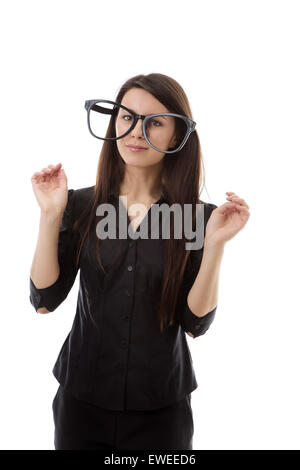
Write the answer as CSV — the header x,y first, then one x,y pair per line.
x,y
62,173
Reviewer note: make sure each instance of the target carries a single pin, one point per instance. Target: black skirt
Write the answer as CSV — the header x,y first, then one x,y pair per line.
x,y
80,425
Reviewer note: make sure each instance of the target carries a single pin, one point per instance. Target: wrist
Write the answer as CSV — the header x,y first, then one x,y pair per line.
x,y
51,216
213,247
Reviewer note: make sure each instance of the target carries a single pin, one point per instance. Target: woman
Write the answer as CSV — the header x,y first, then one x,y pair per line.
x,y
125,369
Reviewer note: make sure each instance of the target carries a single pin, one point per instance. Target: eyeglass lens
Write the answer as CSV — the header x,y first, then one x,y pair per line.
x,y
163,132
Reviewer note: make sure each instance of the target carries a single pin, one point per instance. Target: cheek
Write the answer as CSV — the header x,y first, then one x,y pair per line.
x,y
154,156
166,137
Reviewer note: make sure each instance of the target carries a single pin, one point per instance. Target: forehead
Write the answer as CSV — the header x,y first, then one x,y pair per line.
x,y
142,102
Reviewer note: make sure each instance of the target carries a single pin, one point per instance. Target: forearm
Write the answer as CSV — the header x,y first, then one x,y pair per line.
x,y
45,268
203,295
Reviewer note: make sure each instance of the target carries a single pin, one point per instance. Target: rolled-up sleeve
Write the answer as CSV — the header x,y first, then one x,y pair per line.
x,y
187,319
52,296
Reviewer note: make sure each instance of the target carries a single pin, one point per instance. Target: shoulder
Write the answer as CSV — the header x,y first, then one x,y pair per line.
x,y
211,206
83,192
208,208
208,205
83,195
78,199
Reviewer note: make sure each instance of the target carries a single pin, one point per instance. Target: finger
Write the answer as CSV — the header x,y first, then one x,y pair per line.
x,y
49,171
234,196
230,207
35,176
38,172
57,168
38,177
241,207
226,204
238,199
226,207
48,168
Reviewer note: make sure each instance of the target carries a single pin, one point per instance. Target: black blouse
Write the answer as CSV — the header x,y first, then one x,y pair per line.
x,y
115,355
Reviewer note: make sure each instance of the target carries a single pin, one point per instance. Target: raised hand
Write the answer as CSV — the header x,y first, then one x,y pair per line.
x,y
226,221
50,187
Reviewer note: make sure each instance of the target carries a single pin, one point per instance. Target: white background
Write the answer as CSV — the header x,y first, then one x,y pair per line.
x,y
238,62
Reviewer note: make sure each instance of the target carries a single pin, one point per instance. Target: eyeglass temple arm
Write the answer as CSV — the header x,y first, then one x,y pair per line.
x,y
99,109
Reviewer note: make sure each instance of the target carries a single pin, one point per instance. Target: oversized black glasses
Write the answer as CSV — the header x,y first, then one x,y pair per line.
x,y
156,127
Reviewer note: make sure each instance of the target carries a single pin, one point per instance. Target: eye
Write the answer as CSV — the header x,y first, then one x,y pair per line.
x,y
156,122
127,116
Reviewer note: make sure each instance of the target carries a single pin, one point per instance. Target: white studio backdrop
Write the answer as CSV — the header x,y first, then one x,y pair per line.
x,y
238,62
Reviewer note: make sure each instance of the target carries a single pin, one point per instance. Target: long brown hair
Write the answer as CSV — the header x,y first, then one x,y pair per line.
x,y
181,179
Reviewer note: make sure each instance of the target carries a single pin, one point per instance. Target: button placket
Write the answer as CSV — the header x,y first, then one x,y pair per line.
x,y
125,315
128,291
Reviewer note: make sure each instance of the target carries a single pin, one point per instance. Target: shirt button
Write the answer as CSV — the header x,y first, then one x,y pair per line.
x,y
127,293
125,317
130,268
130,244
124,343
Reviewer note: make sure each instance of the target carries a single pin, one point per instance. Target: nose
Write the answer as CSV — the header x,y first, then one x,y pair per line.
x,y
138,129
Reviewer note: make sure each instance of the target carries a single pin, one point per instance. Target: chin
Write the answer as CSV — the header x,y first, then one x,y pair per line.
x,y
136,162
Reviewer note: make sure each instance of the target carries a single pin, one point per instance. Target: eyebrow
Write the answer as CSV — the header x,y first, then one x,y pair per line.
x,y
149,114
164,117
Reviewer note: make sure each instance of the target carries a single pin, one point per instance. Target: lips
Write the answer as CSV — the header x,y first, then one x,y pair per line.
x,y
136,147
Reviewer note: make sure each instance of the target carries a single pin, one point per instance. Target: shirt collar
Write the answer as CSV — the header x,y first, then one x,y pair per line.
x,y
112,194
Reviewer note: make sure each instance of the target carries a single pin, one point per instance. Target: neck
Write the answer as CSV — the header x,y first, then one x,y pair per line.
x,y
141,185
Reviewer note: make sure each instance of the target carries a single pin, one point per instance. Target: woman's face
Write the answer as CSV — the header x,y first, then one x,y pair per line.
x,y
161,132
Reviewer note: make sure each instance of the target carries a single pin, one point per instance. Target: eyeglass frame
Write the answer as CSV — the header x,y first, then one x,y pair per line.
x,y
190,123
